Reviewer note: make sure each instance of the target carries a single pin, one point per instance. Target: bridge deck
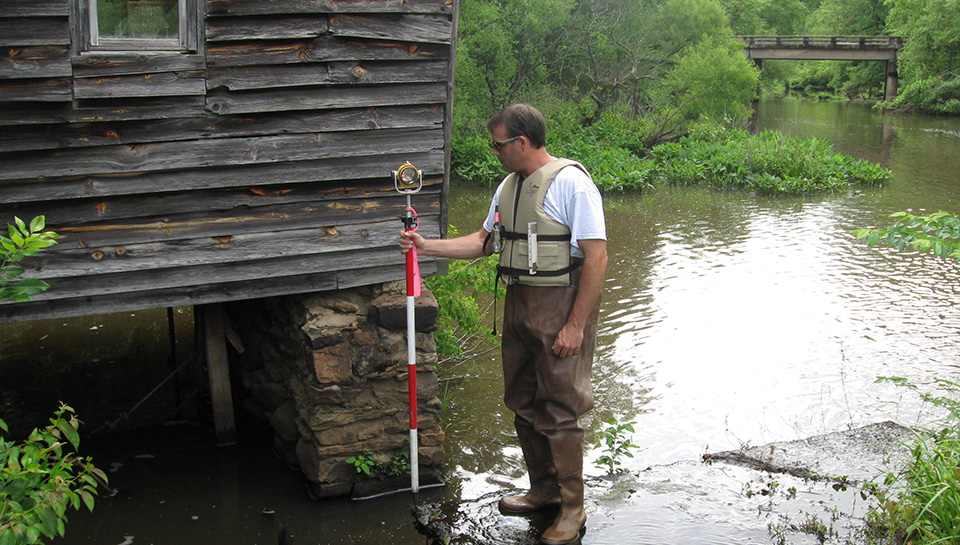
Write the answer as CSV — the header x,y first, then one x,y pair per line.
x,y
836,48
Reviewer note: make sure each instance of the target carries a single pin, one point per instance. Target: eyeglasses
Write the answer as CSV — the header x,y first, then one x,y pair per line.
x,y
498,144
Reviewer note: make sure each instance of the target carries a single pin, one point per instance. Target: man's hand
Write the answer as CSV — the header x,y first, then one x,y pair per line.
x,y
410,238
588,295
568,341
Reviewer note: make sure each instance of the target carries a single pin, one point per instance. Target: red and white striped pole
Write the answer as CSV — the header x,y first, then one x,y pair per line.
x,y
413,291
409,180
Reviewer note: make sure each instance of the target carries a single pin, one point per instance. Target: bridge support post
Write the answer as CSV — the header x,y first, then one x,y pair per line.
x,y
890,84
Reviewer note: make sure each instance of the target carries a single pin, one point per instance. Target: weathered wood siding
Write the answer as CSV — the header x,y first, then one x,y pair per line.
x,y
259,165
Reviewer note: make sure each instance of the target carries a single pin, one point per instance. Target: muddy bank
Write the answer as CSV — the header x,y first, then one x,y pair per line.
x,y
747,496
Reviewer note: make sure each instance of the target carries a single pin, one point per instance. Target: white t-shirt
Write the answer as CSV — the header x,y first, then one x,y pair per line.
x,y
573,200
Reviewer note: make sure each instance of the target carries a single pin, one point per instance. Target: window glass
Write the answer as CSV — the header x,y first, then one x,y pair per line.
x,y
135,19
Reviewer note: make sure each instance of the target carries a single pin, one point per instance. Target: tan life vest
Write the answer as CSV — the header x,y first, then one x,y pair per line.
x,y
521,203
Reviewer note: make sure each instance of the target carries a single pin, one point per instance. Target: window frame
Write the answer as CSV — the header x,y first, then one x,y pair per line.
x,y
186,42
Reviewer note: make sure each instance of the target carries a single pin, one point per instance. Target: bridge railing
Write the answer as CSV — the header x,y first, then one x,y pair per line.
x,y
823,42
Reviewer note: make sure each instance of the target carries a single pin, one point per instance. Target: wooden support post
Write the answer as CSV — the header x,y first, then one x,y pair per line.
x,y
215,348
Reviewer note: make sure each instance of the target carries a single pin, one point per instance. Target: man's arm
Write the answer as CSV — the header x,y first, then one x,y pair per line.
x,y
465,247
591,282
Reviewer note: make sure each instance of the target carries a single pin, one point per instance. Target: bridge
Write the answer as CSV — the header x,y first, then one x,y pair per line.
x,y
829,48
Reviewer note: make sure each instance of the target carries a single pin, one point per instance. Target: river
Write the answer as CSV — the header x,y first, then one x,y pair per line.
x,y
728,320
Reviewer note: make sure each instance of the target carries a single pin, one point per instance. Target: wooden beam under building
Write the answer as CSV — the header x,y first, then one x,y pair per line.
x,y
218,369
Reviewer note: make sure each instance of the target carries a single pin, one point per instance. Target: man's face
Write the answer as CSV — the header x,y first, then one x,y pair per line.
x,y
508,154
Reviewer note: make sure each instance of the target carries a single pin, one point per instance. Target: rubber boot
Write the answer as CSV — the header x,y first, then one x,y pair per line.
x,y
567,449
543,493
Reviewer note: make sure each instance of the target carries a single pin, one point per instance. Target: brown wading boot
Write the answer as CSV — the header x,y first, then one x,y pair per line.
x,y
567,448
543,493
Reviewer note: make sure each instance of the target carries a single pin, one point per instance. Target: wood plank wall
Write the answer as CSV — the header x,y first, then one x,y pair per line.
x,y
258,165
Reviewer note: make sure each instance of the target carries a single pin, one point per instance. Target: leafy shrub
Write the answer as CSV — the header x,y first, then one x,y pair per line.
x,y
40,478
24,241
472,160
934,95
461,324
939,233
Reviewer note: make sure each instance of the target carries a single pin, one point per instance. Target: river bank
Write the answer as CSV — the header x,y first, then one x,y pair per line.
x,y
776,493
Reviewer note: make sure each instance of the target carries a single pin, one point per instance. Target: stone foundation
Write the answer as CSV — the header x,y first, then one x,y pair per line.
x,y
328,372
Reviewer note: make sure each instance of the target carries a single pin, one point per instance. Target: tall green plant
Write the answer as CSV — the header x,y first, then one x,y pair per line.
x,y
23,241
41,477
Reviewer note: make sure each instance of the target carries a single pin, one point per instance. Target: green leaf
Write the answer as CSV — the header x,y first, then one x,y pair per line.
x,y
72,436
37,224
88,499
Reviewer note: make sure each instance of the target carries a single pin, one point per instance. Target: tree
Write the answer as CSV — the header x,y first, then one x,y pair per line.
x,y
503,47
712,82
932,36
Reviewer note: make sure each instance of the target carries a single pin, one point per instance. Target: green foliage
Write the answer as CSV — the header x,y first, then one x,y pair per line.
x,y
41,477
920,504
769,163
23,241
461,324
366,463
472,161
931,31
616,444
713,80
938,232
399,464
362,462
609,151
938,95
770,17
850,17
591,57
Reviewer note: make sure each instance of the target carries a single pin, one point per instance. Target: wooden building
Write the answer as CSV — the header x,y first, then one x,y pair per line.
x,y
203,151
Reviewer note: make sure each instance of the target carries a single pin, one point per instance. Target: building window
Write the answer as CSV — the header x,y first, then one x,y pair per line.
x,y
125,25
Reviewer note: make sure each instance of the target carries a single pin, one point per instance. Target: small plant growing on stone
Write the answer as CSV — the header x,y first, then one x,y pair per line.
x,y
616,444
400,464
362,462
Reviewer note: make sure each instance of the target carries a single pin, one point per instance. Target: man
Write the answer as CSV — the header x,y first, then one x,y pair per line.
x,y
553,258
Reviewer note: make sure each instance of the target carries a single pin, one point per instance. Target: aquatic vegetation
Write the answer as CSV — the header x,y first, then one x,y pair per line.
x,y
714,155
616,444
768,163
461,327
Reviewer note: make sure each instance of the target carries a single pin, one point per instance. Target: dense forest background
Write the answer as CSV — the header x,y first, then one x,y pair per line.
x,y
637,73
